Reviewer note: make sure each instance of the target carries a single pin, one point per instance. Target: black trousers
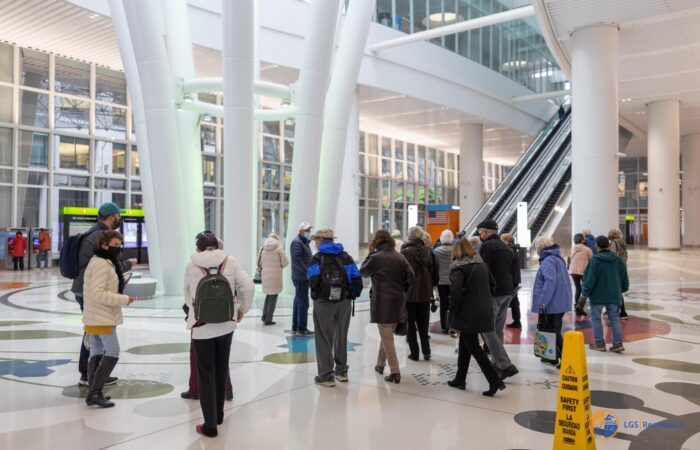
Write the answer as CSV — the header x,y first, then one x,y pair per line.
x,y
554,323
468,347
418,320
269,307
18,262
212,372
515,308
577,283
444,293
84,352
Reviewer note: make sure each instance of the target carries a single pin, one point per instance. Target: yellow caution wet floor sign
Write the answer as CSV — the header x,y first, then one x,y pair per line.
x,y
572,429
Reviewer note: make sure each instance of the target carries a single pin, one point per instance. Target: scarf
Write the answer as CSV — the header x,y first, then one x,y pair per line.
x,y
104,254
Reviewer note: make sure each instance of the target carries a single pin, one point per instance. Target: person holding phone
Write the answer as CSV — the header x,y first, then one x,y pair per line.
x,y
103,300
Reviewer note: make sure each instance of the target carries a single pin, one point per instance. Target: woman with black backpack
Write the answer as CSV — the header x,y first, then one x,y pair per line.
x,y
211,279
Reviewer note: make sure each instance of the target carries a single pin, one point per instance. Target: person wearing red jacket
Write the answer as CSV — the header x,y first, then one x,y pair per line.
x,y
19,249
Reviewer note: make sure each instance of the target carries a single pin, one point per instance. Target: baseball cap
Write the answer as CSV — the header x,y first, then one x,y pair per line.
x,y
488,224
109,208
304,226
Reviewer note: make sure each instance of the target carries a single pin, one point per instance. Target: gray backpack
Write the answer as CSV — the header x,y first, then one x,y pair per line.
x,y
213,299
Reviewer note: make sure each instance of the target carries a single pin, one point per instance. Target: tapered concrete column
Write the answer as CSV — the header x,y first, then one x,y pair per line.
x,y
594,158
471,172
663,154
240,162
690,145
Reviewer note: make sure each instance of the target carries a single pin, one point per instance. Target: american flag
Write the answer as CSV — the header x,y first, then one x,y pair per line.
x,y
437,217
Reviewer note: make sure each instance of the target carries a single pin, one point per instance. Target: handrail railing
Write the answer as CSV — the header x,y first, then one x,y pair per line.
x,y
543,193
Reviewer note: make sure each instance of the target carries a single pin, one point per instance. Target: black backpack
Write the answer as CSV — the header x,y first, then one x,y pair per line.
x,y
68,262
334,281
213,299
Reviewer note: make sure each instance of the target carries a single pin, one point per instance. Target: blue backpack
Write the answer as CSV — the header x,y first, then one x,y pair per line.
x,y
68,261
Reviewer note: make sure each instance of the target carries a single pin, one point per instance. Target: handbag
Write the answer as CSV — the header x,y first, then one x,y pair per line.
x,y
401,329
257,278
545,345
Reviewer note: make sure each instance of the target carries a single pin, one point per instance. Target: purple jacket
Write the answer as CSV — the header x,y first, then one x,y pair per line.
x,y
552,284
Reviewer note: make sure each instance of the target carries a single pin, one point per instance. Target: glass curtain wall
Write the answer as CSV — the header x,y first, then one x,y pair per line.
x,y
515,49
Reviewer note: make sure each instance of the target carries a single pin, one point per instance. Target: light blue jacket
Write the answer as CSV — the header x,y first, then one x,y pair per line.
x,y
552,286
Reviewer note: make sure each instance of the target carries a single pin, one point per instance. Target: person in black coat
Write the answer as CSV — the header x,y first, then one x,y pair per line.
x,y
392,276
471,308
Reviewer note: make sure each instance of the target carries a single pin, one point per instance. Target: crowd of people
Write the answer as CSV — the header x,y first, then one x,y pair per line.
x,y
477,279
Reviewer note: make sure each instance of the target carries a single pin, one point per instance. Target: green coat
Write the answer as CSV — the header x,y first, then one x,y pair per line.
x,y
605,279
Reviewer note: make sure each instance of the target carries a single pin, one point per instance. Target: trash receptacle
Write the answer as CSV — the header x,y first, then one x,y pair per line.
x,y
522,256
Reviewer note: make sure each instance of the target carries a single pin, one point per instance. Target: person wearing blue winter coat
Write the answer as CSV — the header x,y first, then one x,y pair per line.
x,y
335,281
551,293
590,240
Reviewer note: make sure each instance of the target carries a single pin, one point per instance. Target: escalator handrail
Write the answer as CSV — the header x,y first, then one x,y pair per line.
x,y
525,159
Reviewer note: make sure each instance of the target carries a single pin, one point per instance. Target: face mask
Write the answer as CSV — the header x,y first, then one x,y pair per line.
x,y
115,251
307,235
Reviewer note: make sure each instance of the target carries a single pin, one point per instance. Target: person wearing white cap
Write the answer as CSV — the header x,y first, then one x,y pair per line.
x,y
301,256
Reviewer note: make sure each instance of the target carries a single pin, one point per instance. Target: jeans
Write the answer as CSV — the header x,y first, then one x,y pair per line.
x,y
300,310
444,293
43,255
597,324
577,283
500,313
212,357
84,352
105,344
468,347
331,323
418,320
269,307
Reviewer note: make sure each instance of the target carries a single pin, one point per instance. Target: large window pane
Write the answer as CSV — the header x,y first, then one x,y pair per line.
x,y
270,218
33,178
69,197
110,158
73,153
105,197
137,201
72,77
32,206
33,149
207,137
72,115
271,128
209,169
288,151
271,177
5,146
110,121
110,86
6,63
210,214
35,69
5,205
271,148
134,156
5,103
34,110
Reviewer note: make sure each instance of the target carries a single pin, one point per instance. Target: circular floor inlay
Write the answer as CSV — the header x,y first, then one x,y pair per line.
x,y
12,323
291,358
542,421
124,389
669,319
166,407
688,391
160,349
669,364
13,285
12,335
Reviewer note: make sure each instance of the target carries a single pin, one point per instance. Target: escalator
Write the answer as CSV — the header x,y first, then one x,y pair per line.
x,y
541,178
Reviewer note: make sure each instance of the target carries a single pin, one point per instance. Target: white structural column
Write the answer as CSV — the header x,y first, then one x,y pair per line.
x,y
347,216
136,97
690,145
339,101
663,156
594,160
181,59
240,211
471,172
158,97
313,83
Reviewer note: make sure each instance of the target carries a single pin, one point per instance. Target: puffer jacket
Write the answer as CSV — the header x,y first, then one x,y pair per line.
x,y
272,260
352,273
421,260
471,304
580,255
301,255
102,300
552,289
444,258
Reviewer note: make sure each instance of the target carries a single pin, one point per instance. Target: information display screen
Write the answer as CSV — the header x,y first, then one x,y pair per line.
x,y
130,234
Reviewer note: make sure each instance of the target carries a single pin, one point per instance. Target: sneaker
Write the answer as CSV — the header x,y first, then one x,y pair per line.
x,y
342,377
515,324
306,333
272,322
617,348
625,317
111,381
600,348
83,380
327,383
507,373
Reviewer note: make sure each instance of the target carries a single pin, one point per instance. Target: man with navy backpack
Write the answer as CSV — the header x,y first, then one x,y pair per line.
x,y
335,281
108,218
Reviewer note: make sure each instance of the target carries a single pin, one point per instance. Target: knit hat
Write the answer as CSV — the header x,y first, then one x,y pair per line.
x,y
488,224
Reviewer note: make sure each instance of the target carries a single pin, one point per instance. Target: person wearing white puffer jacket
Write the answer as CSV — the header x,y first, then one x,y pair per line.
x,y
212,341
271,262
